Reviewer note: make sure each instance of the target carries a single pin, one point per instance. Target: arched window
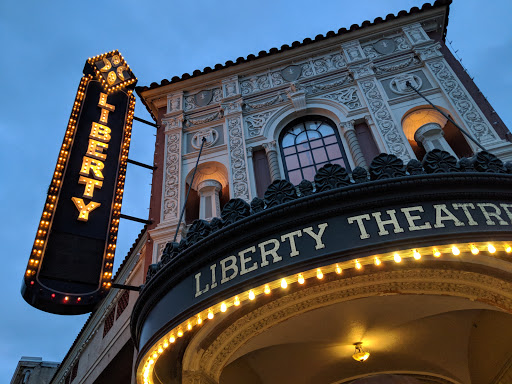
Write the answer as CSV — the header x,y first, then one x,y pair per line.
x,y
307,144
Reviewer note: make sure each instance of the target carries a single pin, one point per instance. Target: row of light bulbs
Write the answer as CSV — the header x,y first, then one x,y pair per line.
x,y
397,257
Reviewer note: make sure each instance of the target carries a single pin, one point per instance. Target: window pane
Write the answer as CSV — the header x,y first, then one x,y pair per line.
x,y
303,147
301,138
305,159
330,139
316,143
313,135
319,155
292,162
333,151
297,129
295,177
325,130
288,140
318,166
289,150
339,161
309,173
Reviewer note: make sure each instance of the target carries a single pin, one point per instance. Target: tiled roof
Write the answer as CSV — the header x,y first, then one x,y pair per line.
x,y
295,44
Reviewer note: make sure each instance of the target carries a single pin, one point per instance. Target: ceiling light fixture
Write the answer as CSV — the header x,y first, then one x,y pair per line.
x,y
360,354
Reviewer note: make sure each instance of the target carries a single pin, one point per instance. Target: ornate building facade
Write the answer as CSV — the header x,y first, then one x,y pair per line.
x,y
334,211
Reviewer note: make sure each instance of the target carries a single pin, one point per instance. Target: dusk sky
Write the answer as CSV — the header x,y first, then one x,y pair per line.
x,y
46,44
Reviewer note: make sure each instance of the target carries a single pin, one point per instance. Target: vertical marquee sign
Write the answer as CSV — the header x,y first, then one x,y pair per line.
x,y
70,265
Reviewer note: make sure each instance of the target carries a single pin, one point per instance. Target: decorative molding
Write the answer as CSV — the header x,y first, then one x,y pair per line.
x,y
191,377
429,52
212,96
465,106
313,66
396,65
352,51
392,135
398,83
297,95
326,86
361,70
172,172
256,122
211,136
237,158
265,103
175,102
432,281
232,107
230,87
415,34
173,123
347,97
204,119
399,43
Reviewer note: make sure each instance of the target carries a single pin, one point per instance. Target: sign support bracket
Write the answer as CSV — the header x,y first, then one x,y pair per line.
x,y
141,164
145,122
133,218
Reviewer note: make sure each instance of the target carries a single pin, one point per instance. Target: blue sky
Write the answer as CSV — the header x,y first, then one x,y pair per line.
x,y
45,45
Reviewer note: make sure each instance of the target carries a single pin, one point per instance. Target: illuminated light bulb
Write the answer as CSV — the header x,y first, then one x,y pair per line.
x,y
155,355
455,251
199,320
474,249
508,248
189,326
491,248
252,296
79,299
284,284
166,344
236,302
210,314
301,279
377,261
172,339
319,274
53,295
338,269
151,361
180,333
267,289
66,298
358,264
397,258
436,252
223,307
416,255
160,349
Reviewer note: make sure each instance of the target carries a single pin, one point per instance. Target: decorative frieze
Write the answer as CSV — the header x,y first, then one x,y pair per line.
x,y
429,52
333,84
396,65
175,102
203,98
237,158
472,117
347,97
172,172
393,136
304,69
361,70
264,103
385,46
398,84
257,121
230,87
204,119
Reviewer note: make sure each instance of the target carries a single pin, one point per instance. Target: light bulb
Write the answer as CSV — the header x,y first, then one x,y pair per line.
x,y
223,307
397,258
491,248
301,279
474,249
416,254
358,264
210,314
508,248
236,302
436,252
284,284
252,296
377,261
455,251
338,269
319,273
267,289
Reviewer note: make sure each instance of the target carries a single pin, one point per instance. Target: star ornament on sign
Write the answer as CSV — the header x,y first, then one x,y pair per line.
x,y
112,71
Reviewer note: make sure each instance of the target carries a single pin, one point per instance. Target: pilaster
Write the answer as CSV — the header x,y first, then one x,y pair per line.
x,y
353,144
273,163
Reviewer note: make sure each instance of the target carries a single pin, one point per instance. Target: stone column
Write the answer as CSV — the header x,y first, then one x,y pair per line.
x,y
273,163
209,203
353,144
431,136
250,169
